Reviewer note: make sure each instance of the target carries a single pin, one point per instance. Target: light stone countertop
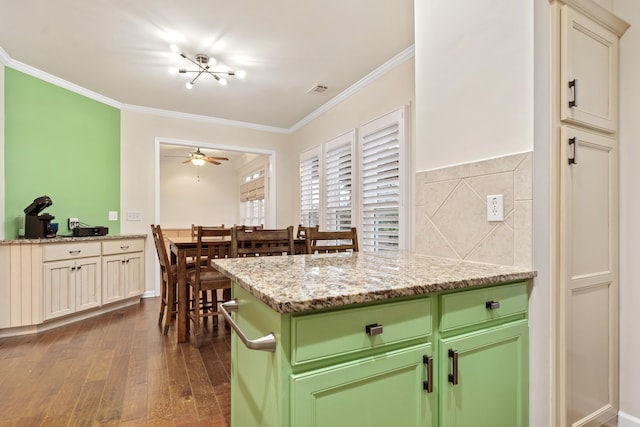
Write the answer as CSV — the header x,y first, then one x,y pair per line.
x,y
68,239
297,283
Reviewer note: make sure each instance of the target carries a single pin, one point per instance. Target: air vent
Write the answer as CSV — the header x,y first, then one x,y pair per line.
x,y
318,89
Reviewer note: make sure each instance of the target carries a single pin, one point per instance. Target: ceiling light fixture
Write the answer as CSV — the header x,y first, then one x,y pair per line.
x,y
204,64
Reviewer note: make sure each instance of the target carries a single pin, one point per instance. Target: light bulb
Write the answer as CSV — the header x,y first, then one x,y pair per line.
x,y
241,73
173,71
198,162
222,81
174,48
189,85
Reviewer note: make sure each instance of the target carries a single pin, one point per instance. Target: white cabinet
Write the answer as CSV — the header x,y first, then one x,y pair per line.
x,y
585,64
122,269
44,282
589,72
71,278
71,286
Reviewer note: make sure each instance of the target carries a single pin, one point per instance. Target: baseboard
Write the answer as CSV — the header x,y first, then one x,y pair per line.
x,y
626,420
149,294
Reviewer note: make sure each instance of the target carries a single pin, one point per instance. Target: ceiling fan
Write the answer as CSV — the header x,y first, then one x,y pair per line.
x,y
198,158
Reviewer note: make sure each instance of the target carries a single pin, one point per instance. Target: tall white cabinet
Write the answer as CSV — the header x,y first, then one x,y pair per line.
x,y
586,40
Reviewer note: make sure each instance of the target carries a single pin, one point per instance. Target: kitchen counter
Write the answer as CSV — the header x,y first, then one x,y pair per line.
x,y
67,239
290,284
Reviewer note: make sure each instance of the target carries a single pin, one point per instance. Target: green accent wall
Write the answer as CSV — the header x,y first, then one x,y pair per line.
x,y
61,144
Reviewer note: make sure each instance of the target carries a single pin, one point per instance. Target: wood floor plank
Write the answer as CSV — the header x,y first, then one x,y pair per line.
x,y
116,369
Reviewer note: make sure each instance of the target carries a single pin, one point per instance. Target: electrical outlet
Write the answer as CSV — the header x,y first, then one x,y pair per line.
x,y
73,223
495,208
113,215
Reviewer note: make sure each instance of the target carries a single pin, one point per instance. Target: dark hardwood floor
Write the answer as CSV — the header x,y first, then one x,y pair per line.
x,y
118,370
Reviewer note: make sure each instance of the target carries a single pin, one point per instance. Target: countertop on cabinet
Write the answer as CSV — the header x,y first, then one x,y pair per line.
x,y
67,239
297,283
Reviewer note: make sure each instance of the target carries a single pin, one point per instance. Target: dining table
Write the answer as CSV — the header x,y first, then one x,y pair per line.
x,y
183,248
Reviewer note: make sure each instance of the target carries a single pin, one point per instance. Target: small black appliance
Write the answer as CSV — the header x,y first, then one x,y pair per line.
x,y
38,226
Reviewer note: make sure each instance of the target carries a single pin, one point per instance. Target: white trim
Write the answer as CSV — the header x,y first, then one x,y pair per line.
x,y
626,420
363,82
57,81
4,57
198,118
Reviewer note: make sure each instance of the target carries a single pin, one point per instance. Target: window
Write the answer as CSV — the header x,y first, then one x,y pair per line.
x,y
252,200
338,182
381,196
310,188
338,192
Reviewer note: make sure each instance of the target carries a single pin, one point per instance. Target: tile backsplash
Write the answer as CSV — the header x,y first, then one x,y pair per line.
x,y
451,211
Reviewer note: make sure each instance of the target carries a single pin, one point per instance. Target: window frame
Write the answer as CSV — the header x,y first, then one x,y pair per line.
x,y
399,116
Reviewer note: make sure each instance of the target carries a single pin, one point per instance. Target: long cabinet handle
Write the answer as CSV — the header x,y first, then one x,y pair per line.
x,y
453,376
265,343
573,87
428,384
573,158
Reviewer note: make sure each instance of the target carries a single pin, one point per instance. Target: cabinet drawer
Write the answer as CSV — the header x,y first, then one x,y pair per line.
x,y
468,308
56,252
338,333
114,247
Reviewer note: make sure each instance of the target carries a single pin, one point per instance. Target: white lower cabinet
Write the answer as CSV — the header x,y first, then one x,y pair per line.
x,y
71,286
52,279
122,270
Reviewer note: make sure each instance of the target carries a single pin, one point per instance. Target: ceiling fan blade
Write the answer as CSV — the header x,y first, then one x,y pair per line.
x,y
187,161
209,160
217,158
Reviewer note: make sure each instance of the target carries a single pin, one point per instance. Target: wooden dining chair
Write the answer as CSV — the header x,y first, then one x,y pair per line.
x,y
168,280
330,241
203,278
261,242
194,229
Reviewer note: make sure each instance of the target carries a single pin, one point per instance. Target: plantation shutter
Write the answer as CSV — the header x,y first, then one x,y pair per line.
x,y
310,189
380,143
339,183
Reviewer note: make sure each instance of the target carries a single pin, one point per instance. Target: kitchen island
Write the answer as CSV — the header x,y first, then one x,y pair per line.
x,y
45,283
360,339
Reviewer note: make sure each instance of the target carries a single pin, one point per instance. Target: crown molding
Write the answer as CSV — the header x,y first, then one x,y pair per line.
x,y
198,118
50,78
607,18
4,57
392,63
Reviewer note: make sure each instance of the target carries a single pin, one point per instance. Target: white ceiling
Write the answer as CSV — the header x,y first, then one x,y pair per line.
x,y
120,49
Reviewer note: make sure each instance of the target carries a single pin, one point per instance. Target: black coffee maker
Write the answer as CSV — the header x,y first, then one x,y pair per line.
x,y
38,226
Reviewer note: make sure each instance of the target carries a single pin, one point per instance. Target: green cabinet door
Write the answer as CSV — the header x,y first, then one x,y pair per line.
x,y
378,391
484,377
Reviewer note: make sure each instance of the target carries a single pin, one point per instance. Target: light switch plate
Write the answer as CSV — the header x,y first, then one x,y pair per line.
x,y
134,216
113,215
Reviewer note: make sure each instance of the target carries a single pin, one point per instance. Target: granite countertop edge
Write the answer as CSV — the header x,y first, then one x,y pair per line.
x,y
69,239
285,296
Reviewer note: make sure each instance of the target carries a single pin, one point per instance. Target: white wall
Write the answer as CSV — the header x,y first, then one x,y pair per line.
x,y
2,183
201,195
137,174
474,80
387,93
629,10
